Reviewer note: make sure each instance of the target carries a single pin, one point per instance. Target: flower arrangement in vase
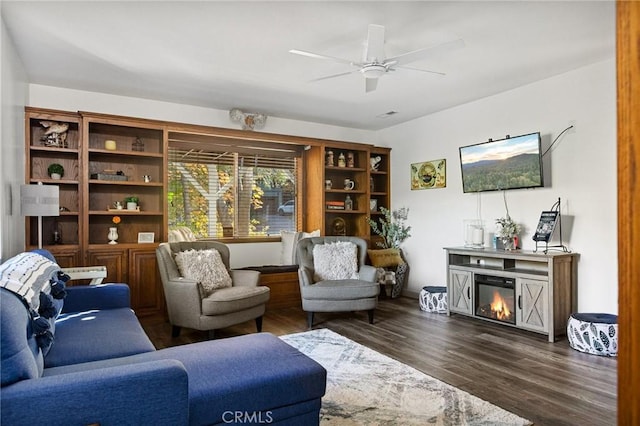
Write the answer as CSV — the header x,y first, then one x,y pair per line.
x,y
508,230
113,230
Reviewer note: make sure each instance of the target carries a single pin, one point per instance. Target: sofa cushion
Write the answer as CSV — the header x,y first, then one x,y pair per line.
x,y
206,267
256,373
20,355
385,258
234,299
341,290
335,261
97,334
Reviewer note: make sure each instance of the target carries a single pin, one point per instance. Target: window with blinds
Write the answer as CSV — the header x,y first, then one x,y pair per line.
x,y
231,189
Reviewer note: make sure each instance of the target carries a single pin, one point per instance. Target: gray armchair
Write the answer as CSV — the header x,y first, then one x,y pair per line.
x,y
241,302
336,295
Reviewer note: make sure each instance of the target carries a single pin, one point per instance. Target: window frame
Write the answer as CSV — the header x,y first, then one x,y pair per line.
x,y
245,146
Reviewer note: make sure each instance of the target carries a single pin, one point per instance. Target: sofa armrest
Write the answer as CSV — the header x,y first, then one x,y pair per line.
x,y
245,278
367,273
102,296
153,392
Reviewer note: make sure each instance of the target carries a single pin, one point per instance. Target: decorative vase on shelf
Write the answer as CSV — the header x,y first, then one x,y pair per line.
x,y
508,243
113,235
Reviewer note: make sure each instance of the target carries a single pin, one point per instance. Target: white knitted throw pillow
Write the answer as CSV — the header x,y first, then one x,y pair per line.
x,y
335,261
206,267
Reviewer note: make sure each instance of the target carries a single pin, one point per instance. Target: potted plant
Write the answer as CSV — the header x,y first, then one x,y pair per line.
x,y
393,230
131,202
55,170
507,231
392,227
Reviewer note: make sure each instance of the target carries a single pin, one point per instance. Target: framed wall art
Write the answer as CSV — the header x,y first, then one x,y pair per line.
x,y
429,174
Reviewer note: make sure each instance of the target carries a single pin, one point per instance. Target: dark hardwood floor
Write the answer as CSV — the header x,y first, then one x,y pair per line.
x,y
547,383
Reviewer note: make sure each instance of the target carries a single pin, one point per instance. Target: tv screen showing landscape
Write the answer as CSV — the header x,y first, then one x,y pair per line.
x,y
510,163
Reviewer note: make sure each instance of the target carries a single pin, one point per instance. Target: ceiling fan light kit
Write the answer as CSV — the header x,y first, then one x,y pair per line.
x,y
373,70
375,64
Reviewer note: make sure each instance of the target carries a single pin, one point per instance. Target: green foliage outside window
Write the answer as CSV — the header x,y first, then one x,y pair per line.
x,y
193,192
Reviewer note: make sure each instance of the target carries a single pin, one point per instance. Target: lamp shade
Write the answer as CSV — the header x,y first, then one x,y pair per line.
x,y
40,200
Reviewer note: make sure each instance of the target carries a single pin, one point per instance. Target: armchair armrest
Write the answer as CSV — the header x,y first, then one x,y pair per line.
x,y
154,392
245,278
305,276
184,302
102,296
367,273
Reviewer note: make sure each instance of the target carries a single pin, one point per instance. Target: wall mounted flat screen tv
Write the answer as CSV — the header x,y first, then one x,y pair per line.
x,y
510,163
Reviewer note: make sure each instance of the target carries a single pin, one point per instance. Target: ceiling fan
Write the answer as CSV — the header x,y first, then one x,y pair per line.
x,y
374,63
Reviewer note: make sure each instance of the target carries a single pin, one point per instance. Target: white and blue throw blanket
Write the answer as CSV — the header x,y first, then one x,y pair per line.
x,y
37,279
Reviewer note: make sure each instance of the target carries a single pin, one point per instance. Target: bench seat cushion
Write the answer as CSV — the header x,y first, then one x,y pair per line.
x,y
95,335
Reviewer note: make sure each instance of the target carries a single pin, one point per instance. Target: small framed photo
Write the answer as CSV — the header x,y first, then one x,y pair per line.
x,y
146,237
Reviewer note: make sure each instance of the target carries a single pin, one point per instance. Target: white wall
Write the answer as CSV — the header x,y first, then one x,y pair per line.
x,y
245,254
582,168
76,100
14,93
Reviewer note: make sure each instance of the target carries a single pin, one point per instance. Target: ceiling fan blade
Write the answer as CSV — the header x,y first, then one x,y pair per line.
x,y
419,54
318,56
370,84
418,69
333,75
374,51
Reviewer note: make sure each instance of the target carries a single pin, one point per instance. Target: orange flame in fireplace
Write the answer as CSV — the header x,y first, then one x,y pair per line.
x,y
499,307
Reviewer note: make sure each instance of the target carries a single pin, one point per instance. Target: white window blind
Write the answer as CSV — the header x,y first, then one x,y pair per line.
x,y
224,189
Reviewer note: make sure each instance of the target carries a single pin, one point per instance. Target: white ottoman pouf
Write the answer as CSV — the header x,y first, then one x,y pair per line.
x,y
433,299
593,333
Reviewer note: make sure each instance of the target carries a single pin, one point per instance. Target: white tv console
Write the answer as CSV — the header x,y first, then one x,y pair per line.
x,y
545,285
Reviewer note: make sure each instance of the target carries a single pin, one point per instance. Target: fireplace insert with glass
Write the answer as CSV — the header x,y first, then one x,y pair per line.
x,y
495,298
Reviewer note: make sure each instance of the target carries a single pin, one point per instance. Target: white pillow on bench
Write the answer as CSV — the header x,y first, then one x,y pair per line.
x,y
289,243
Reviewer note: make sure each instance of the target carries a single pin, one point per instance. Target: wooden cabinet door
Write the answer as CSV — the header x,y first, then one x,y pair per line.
x,y
115,259
460,288
532,304
66,257
146,289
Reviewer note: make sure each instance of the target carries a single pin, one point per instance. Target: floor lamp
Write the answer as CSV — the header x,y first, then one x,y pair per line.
x,y
40,200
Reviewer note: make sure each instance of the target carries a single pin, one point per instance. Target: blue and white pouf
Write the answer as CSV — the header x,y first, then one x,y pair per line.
x,y
433,299
595,334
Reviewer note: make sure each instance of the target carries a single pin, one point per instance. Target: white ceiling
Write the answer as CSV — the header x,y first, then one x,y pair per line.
x,y
235,54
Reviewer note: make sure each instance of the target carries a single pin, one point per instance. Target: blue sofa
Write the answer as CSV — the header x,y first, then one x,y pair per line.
x,y
102,368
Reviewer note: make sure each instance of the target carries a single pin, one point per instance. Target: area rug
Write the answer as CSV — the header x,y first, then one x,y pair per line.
x,y
365,387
